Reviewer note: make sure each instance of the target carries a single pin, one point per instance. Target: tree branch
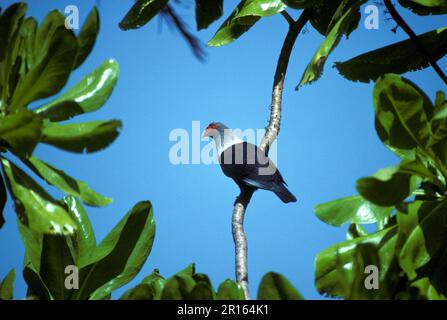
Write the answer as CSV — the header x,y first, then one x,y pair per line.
x,y
270,135
417,42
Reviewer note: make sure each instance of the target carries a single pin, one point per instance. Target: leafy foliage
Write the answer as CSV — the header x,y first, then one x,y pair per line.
x,y
425,7
407,202
398,58
189,285
7,286
35,63
102,268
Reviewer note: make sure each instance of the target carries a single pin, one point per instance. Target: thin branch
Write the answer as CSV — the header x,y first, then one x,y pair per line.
x,y
417,42
194,43
270,135
288,18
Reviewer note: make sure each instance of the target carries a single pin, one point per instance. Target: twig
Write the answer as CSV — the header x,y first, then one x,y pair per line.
x,y
270,135
287,16
417,42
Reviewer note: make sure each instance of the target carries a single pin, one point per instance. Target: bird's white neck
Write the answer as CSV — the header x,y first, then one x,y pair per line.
x,y
225,140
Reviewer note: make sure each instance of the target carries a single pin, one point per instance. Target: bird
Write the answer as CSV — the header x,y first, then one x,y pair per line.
x,y
246,164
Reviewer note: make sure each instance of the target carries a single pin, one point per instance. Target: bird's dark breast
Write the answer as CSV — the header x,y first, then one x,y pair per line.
x,y
244,161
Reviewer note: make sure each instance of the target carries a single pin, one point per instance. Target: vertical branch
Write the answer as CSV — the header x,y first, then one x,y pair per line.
x,y
417,42
272,131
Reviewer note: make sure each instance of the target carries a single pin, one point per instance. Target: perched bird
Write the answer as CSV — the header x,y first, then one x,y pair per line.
x,y
246,164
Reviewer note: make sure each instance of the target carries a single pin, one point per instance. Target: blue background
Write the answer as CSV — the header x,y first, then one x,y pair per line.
x,y
327,141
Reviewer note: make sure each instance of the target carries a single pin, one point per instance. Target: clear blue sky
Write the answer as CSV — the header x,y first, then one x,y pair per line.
x,y
327,141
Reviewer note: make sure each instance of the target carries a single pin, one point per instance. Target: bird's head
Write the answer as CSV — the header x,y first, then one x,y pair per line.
x,y
215,130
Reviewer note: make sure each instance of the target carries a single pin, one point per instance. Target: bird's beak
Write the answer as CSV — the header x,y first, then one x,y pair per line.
x,y
206,133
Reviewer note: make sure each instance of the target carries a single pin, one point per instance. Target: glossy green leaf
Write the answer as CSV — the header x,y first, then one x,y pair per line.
x,y
36,287
246,14
275,286
403,113
425,7
141,291
9,22
141,13
87,37
157,283
178,287
150,288
7,286
334,265
84,238
388,186
21,131
89,94
327,13
82,137
53,21
353,209
426,290
3,199
55,257
35,208
230,290
208,11
120,256
50,75
315,67
365,255
399,58
202,291
424,226
65,183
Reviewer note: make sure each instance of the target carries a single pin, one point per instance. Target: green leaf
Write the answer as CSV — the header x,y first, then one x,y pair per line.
x,y
50,75
55,257
275,286
208,11
36,287
89,94
141,13
246,14
149,289
327,13
334,265
202,291
388,187
21,131
120,256
84,238
7,286
141,291
399,58
35,208
178,287
65,183
82,137
425,7
365,255
87,37
353,209
230,290
315,67
3,199
423,226
426,290
403,113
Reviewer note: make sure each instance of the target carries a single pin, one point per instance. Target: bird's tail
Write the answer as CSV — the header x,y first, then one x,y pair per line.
x,y
285,195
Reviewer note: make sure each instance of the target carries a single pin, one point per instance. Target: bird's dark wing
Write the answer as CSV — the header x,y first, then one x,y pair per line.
x,y
247,163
